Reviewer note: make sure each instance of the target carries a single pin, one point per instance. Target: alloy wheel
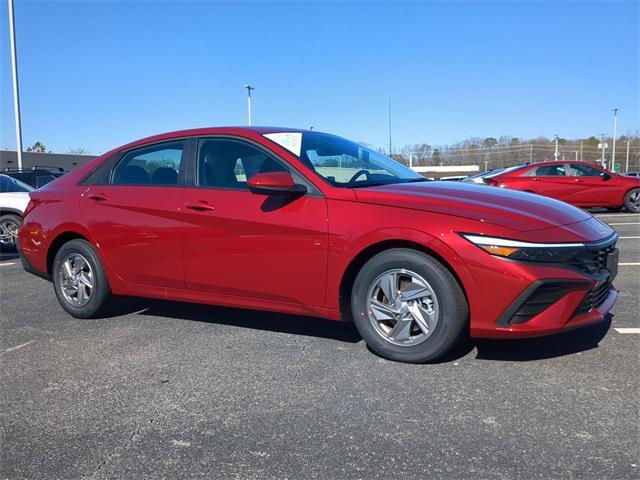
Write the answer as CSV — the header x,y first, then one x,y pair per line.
x,y
9,233
634,201
402,307
76,280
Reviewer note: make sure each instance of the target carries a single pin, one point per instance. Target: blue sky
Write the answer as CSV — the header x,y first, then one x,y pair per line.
x,y
99,74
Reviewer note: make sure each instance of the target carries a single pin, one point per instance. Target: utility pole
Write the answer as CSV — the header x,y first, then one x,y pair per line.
x,y
410,159
14,74
613,148
390,127
627,162
581,143
603,145
249,88
556,154
531,153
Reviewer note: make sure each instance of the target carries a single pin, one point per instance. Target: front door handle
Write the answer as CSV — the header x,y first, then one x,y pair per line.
x,y
99,197
200,206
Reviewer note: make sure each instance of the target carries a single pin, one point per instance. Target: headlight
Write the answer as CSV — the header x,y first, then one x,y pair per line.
x,y
530,252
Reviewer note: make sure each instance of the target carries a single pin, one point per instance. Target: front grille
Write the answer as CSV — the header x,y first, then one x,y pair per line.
x,y
595,297
592,261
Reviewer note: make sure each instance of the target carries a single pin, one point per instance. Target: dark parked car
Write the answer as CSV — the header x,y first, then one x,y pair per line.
x,y
36,176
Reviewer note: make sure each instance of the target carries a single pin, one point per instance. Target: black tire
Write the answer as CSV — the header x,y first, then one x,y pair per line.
x,y
632,200
9,220
101,300
453,310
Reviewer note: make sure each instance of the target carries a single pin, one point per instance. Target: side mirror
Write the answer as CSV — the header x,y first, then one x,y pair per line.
x,y
275,183
605,176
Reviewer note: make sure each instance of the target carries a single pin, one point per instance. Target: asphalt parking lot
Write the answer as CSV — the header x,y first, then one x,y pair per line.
x,y
169,390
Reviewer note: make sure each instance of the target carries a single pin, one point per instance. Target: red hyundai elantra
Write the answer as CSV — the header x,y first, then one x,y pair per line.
x,y
310,223
582,184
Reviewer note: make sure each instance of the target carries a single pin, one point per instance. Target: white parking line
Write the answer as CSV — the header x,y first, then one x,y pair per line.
x,y
627,330
628,223
7,263
627,264
19,346
626,238
617,215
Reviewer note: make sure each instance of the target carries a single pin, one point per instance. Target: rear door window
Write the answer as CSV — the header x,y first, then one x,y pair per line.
x,y
551,171
155,165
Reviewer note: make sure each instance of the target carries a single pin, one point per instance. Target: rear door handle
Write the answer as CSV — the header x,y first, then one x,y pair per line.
x,y
200,206
99,197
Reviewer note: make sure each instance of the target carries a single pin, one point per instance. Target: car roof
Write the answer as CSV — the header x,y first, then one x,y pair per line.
x,y
559,162
221,130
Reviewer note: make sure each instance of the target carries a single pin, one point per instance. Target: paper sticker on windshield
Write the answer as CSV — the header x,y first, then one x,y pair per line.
x,y
292,141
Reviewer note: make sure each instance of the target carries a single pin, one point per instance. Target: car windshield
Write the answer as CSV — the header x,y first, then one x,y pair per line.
x,y
10,184
344,163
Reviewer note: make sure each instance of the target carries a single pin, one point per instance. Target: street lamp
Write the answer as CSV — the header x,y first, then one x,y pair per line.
x,y
249,88
556,154
14,75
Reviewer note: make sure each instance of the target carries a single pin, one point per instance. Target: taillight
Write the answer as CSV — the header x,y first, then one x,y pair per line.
x,y
30,206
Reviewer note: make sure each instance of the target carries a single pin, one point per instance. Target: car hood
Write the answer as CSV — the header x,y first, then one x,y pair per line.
x,y
519,211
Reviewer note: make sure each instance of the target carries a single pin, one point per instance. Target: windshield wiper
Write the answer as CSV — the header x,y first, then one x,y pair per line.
x,y
417,180
370,184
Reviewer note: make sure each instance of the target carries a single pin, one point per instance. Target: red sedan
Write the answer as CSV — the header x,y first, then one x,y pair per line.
x,y
310,223
581,184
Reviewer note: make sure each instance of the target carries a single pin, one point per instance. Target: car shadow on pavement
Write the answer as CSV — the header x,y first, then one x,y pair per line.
x,y
523,350
257,320
517,350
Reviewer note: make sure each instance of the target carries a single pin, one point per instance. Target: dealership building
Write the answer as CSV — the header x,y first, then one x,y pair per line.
x,y
9,160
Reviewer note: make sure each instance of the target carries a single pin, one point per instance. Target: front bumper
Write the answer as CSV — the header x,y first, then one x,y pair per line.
x,y
514,299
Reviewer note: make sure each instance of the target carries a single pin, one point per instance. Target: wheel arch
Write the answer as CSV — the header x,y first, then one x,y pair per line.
x,y
58,242
10,211
358,261
627,191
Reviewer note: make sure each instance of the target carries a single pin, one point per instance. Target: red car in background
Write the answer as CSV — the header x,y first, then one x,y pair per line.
x,y
581,184
310,223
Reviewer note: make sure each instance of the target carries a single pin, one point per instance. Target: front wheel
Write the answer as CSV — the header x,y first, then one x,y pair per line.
x,y
79,280
632,200
408,307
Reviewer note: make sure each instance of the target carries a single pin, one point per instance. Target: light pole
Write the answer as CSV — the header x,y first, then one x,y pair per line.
x,y
249,88
556,154
627,162
613,148
14,73
389,127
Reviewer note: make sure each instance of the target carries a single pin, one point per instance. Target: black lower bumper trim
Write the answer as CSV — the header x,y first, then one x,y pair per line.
x,y
30,268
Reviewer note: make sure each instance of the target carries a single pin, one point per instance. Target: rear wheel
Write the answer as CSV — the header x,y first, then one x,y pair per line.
x,y
9,225
79,280
632,200
408,307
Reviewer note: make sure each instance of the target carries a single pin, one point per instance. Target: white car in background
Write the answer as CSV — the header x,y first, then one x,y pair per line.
x,y
14,198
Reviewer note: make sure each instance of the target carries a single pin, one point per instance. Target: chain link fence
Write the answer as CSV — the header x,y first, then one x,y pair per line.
x,y
627,159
